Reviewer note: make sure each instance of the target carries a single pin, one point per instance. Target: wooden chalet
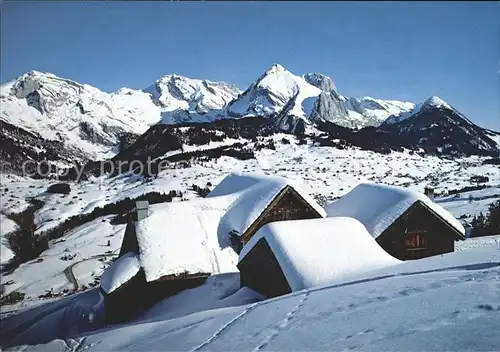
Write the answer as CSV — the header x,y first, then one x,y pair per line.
x,y
122,285
287,205
180,244
261,199
407,224
289,256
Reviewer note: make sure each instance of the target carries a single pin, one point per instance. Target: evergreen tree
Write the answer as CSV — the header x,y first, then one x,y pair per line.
x,y
493,218
478,224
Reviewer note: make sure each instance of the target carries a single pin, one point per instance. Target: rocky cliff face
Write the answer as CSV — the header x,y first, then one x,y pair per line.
x,y
321,81
329,106
89,120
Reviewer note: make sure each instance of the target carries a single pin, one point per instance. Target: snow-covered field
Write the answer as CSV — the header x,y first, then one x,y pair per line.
x,y
85,245
448,302
324,172
487,241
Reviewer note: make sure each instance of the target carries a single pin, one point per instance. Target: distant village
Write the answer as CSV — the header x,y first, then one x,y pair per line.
x,y
275,234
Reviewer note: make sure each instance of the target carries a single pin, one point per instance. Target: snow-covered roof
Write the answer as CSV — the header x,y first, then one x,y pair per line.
x,y
377,206
252,194
317,252
181,237
193,236
121,271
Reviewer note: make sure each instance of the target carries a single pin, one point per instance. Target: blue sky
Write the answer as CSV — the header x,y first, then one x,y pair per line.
x,y
388,50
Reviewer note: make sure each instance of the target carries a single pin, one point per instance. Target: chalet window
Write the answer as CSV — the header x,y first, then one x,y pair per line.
x,y
416,240
285,214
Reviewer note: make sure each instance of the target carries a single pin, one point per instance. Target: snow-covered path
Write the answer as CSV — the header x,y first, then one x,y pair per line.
x,y
449,302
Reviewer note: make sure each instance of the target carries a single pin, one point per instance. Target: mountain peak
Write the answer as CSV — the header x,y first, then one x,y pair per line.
x,y
32,73
436,102
276,68
171,76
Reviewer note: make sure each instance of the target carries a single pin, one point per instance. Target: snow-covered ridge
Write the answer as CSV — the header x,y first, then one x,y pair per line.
x,y
433,102
180,97
437,102
83,117
369,111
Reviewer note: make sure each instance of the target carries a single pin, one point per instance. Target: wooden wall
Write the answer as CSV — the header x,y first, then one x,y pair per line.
x,y
288,205
125,302
418,233
260,271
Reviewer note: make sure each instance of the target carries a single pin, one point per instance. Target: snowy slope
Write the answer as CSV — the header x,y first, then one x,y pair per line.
x,y
6,226
83,117
85,245
183,99
322,171
441,303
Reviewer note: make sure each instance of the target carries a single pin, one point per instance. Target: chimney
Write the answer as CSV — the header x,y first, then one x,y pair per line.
x,y
429,192
141,208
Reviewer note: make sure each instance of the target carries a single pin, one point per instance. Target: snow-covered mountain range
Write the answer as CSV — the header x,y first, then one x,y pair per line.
x,y
77,121
84,118
310,98
184,99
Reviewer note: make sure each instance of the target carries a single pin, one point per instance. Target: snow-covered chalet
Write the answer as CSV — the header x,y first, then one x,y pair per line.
x,y
289,256
406,223
178,245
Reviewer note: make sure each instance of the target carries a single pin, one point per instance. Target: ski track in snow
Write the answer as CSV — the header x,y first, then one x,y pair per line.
x,y
478,274
224,327
283,323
